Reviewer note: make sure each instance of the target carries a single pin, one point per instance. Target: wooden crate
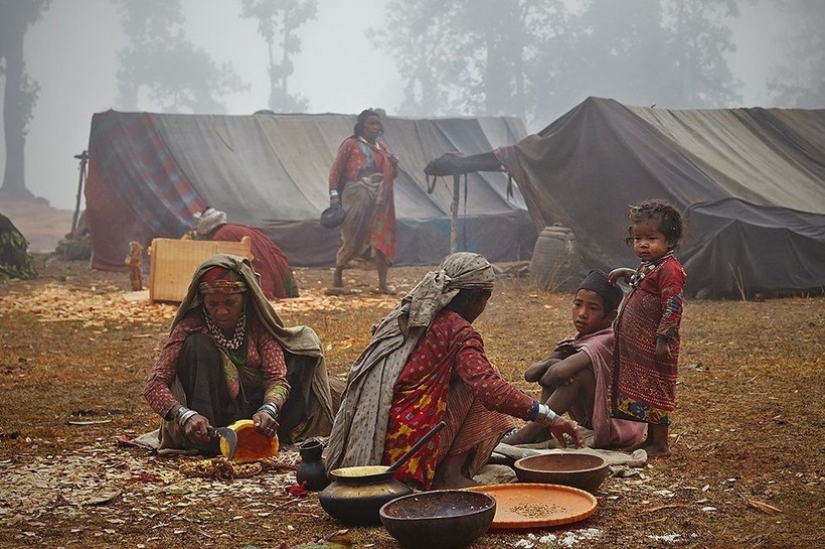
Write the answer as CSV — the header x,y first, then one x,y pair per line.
x,y
173,262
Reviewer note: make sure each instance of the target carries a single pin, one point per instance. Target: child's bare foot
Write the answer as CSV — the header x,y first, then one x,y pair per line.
x,y
657,450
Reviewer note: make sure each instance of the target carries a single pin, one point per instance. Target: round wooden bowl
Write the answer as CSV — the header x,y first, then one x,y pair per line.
x,y
439,519
584,471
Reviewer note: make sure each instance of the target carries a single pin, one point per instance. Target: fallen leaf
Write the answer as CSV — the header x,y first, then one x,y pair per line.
x,y
762,506
659,508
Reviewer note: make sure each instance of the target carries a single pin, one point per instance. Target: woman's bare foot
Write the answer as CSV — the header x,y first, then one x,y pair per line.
x,y
658,441
449,482
450,473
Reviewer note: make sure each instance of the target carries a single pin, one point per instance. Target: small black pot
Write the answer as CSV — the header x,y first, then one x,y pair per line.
x,y
312,469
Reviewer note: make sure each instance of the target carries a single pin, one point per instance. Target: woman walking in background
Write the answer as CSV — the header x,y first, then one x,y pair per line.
x,y
361,181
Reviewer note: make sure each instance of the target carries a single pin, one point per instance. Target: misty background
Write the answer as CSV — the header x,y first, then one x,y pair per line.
x,y
420,58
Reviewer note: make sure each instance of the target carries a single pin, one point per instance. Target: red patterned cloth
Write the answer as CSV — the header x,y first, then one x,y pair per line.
x,y
277,280
218,279
450,351
644,388
609,432
351,163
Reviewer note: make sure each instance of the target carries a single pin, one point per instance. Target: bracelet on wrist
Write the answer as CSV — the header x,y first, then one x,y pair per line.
x,y
547,414
333,194
269,408
184,414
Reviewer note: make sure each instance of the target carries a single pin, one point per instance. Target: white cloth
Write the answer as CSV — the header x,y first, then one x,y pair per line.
x,y
210,220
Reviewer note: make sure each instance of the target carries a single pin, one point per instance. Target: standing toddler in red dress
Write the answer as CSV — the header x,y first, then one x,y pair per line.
x,y
647,328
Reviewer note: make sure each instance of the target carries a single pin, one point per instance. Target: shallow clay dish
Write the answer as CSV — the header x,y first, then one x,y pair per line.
x,y
528,505
578,470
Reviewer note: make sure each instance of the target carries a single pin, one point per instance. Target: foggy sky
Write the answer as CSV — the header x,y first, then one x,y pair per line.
x,y
72,53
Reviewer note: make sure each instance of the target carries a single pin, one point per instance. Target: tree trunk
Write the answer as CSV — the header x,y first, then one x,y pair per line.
x,y
14,121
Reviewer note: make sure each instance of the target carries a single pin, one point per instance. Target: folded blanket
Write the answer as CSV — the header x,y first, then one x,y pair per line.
x,y
613,457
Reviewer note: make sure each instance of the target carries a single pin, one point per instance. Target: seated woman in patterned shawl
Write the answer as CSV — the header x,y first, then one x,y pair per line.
x,y
230,357
428,352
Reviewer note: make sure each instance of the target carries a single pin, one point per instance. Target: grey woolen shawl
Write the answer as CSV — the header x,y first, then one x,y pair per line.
x,y
360,426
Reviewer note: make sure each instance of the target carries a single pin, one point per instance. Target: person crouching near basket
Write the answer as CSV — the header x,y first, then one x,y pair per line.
x,y
228,357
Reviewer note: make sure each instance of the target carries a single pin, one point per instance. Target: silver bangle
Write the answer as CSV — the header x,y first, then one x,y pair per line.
x,y
547,415
184,414
333,194
269,408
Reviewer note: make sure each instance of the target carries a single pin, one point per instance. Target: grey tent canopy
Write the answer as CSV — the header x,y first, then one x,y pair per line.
x,y
750,182
150,173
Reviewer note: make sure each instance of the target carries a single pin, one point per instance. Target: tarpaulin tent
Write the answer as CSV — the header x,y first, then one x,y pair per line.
x,y
150,173
751,183
754,248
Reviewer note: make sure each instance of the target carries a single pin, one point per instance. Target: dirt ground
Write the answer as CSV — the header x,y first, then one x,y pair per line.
x,y
749,457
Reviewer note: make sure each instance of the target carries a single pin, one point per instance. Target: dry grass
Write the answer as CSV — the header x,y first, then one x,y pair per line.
x,y
748,434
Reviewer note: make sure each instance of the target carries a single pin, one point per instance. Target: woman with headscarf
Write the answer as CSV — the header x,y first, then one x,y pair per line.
x,y
277,279
361,181
426,363
230,357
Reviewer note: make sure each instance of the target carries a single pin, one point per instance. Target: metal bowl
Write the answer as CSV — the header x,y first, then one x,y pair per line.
x,y
332,216
440,519
584,471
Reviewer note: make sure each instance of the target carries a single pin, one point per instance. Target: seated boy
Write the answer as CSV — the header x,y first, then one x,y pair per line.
x,y
575,378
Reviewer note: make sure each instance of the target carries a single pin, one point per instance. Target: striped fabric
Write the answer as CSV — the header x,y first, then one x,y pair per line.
x,y
123,149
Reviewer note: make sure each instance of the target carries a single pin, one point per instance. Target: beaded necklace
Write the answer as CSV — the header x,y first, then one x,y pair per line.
x,y
238,337
644,269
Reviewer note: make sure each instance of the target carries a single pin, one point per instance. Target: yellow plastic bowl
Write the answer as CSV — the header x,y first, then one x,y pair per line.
x,y
251,444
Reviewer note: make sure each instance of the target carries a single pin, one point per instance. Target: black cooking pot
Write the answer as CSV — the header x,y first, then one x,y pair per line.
x,y
356,494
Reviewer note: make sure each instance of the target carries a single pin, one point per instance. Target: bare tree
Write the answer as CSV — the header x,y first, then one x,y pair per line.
x,y
609,52
800,81
20,92
476,57
420,36
699,76
166,67
281,18
666,52
537,58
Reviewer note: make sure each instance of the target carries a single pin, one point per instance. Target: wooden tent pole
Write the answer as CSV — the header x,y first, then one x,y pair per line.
x,y
83,157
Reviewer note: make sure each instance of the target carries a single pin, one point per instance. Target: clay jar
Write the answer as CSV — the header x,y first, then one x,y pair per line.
x,y
312,469
357,493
